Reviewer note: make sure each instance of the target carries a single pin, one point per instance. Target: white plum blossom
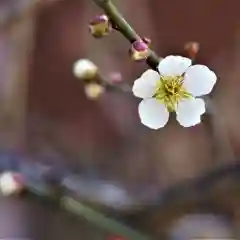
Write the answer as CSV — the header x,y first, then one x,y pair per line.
x,y
174,88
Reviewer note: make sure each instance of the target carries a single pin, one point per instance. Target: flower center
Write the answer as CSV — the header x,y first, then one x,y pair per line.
x,y
170,91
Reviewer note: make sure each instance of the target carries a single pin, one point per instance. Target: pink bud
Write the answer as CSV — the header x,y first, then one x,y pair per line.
x,y
139,50
192,49
115,77
100,26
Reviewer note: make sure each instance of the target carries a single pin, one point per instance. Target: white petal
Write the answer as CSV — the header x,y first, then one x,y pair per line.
x,y
153,114
189,112
174,65
145,86
199,80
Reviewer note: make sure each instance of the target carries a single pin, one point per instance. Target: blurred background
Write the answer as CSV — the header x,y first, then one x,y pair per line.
x,y
176,183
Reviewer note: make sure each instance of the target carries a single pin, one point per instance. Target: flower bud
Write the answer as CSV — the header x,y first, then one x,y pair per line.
x,y
192,49
100,26
85,69
11,183
139,50
115,77
93,90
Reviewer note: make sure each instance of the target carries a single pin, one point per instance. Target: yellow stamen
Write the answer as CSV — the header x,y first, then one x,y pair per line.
x,y
170,91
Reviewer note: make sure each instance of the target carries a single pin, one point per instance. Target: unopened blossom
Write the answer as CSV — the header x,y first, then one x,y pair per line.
x,y
176,87
139,50
93,90
11,183
192,48
115,77
100,26
85,69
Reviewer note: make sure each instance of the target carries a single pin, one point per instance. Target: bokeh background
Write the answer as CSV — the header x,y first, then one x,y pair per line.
x,y
46,117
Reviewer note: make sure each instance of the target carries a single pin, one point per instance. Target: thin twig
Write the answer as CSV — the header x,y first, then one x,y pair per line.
x,y
127,31
101,220
113,86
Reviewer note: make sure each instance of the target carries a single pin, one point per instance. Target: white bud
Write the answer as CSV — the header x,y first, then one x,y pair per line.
x,y
93,90
8,184
85,69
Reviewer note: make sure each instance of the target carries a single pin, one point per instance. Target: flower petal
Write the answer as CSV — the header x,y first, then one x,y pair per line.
x,y
153,114
199,80
174,65
189,112
145,86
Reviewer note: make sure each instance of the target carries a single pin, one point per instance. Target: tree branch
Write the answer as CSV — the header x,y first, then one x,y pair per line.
x,y
127,31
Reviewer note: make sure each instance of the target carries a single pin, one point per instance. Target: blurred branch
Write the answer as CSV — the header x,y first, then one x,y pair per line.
x,y
123,26
199,188
48,184
126,88
101,220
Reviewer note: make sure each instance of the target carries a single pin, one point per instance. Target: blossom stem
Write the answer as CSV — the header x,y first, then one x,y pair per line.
x,y
124,27
112,86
